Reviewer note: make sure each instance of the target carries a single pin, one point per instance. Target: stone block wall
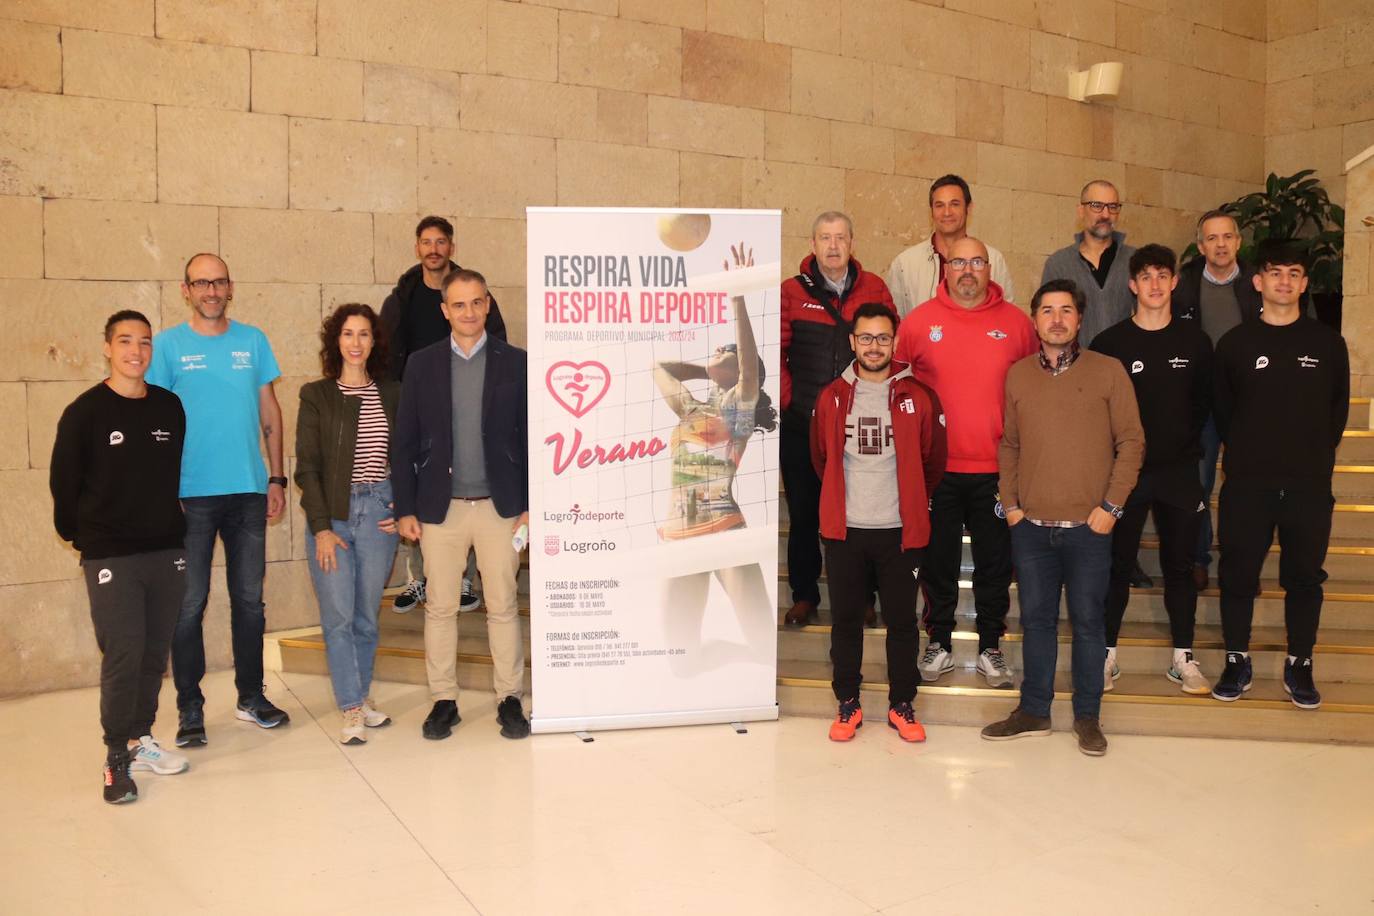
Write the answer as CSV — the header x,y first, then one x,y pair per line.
x,y
301,138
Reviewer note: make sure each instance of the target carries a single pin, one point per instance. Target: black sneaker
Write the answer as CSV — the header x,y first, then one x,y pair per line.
x,y
441,719
1140,578
1297,683
1236,679
260,711
119,785
191,731
512,719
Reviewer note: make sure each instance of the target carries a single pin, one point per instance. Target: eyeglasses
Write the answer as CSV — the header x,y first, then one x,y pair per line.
x,y
961,263
1098,206
868,340
201,286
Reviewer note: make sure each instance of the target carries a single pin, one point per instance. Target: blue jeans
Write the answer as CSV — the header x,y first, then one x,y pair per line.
x,y
350,594
240,520
1078,561
1207,470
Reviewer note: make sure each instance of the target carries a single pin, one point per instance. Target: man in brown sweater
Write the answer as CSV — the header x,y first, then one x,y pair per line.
x,y
1071,448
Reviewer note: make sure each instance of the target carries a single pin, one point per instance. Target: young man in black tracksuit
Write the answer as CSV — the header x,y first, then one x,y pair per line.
x,y
1169,362
414,320
115,473
1282,393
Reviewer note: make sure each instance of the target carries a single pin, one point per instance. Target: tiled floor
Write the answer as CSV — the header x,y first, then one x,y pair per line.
x,y
689,820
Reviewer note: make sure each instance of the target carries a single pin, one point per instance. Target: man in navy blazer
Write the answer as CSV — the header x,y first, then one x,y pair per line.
x,y
460,478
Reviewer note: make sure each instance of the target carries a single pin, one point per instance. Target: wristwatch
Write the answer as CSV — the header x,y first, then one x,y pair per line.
x,y
279,481
1115,511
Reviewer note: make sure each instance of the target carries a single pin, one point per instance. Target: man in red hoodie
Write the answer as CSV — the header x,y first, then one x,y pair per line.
x,y
817,310
878,444
961,343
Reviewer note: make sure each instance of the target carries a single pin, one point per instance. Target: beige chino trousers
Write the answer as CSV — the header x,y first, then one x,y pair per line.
x,y
472,524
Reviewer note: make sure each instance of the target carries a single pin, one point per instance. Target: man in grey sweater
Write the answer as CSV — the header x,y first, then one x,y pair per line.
x,y
1097,261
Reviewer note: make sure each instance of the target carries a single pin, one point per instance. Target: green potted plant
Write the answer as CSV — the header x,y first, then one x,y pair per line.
x,y
1296,207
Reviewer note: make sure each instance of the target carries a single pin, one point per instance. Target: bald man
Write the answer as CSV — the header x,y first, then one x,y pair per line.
x,y
222,371
1097,261
961,343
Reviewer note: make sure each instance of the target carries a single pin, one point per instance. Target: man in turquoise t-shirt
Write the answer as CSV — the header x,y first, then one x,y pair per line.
x,y
223,372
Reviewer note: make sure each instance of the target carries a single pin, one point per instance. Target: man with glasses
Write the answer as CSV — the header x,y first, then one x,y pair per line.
x,y
1098,264
917,273
961,343
1097,261
878,443
223,372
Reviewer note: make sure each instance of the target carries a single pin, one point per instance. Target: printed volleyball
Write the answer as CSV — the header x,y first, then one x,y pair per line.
x,y
684,231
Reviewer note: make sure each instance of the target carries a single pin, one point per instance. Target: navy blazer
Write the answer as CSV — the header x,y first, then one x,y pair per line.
x,y
422,442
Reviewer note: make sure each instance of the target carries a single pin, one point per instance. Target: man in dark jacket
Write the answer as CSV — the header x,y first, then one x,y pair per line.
x,y
413,320
817,313
460,478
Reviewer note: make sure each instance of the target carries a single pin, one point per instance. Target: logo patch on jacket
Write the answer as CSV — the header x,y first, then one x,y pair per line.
x,y
997,334
116,438
1178,362
1261,362
937,333
1137,367
1308,362
907,406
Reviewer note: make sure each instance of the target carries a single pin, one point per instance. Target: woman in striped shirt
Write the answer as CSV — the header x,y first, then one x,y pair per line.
x,y
342,434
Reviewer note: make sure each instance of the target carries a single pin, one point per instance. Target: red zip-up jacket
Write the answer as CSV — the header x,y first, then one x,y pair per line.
x,y
964,354
918,433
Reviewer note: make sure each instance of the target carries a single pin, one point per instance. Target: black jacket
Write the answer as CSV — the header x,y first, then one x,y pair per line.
x,y
1187,300
422,441
1188,296
394,315
326,435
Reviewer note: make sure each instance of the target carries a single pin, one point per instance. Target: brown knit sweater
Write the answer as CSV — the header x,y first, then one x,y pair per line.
x,y
1071,440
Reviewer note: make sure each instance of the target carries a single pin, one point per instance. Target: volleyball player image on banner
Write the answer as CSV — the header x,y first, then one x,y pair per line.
x,y
654,347
707,448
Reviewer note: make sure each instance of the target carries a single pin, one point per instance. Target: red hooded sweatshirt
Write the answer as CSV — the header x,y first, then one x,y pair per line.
x,y
918,435
964,354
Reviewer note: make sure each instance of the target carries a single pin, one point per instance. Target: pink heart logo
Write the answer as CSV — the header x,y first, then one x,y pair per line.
x,y
578,387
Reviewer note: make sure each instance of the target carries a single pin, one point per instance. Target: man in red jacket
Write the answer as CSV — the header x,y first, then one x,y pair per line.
x,y
878,444
817,310
961,343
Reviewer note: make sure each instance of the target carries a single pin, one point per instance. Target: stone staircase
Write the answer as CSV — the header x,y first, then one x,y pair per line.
x,y
1143,701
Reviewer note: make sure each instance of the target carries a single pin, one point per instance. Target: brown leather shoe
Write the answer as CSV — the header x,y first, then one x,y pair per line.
x,y
870,617
1200,577
800,614
1020,724
1091,741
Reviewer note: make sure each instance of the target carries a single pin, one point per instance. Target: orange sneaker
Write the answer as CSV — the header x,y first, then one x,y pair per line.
x,y
848,721
903,718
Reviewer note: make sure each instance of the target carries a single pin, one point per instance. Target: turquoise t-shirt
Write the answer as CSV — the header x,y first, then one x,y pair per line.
x,y
217,379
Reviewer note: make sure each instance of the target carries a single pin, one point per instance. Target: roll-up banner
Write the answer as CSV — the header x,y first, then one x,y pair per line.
x,y
653,410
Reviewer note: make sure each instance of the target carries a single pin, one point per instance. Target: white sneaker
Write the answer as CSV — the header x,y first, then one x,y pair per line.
x,y
935,662
372,717
353,731
993,666
1185,671
149,755
469,602
1110,671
